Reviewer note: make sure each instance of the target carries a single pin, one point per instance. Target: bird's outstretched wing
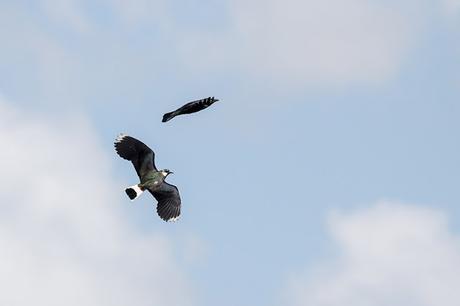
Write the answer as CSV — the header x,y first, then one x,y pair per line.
x,y
169,202
142,157
190,107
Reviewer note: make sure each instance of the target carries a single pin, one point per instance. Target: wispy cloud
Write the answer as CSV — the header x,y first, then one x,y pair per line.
x,y
67,13
322,42
141,12
293,44
452,6
63,237
389,254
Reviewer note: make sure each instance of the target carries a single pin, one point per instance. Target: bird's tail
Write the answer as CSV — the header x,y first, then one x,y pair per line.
x,y
168,116
133,192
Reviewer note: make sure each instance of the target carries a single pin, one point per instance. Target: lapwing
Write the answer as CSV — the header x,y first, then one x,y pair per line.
x,y
191,107
151,179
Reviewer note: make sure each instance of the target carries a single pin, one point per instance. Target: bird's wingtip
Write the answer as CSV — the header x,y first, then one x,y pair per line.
x,y
167,117
120,137
173,219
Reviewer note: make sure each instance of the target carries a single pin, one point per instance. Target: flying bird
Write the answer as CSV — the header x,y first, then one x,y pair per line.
x,y
191,107
151,179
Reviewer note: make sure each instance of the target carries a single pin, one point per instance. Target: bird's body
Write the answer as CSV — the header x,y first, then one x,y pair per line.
x,y
151,179
189,108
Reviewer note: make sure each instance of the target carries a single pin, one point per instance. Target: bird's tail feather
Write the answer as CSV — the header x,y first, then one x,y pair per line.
x,y
168,116
133,192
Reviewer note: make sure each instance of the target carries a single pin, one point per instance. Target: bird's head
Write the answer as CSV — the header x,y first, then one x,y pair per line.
x,y
166,172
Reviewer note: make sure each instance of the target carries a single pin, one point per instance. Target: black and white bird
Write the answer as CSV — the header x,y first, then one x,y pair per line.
x,y
151,179
191,107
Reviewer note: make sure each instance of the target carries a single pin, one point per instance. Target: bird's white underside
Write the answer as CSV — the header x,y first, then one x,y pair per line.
x,y
138,191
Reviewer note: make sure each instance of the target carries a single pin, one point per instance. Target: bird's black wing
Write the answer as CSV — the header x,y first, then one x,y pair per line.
x,y
190,107
169,202
142,157
196,106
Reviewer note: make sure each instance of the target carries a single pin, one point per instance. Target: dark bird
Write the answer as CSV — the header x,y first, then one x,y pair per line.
x,y
151,179
191,107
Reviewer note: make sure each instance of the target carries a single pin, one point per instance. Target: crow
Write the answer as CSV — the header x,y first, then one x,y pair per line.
x,y
191,107
151,179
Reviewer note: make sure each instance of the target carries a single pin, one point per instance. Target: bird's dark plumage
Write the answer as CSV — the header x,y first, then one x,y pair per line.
x,y
191,107
142,157
169,201
143,160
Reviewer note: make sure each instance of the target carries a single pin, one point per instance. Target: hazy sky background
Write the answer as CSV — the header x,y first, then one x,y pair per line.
x,y
327,175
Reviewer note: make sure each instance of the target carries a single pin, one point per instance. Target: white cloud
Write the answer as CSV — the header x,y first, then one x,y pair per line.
x,y
323,42
63,237
389,254
68,13
452,6
282,44
141,12
290,42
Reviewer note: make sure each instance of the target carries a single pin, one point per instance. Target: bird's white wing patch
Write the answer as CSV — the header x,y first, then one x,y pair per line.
x,y
138,191
173,219
120,137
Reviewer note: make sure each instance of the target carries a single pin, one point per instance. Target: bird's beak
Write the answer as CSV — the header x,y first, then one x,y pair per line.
x,y
216,100
171,172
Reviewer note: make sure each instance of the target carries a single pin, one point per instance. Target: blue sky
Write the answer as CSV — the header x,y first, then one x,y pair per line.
x,y
327,170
